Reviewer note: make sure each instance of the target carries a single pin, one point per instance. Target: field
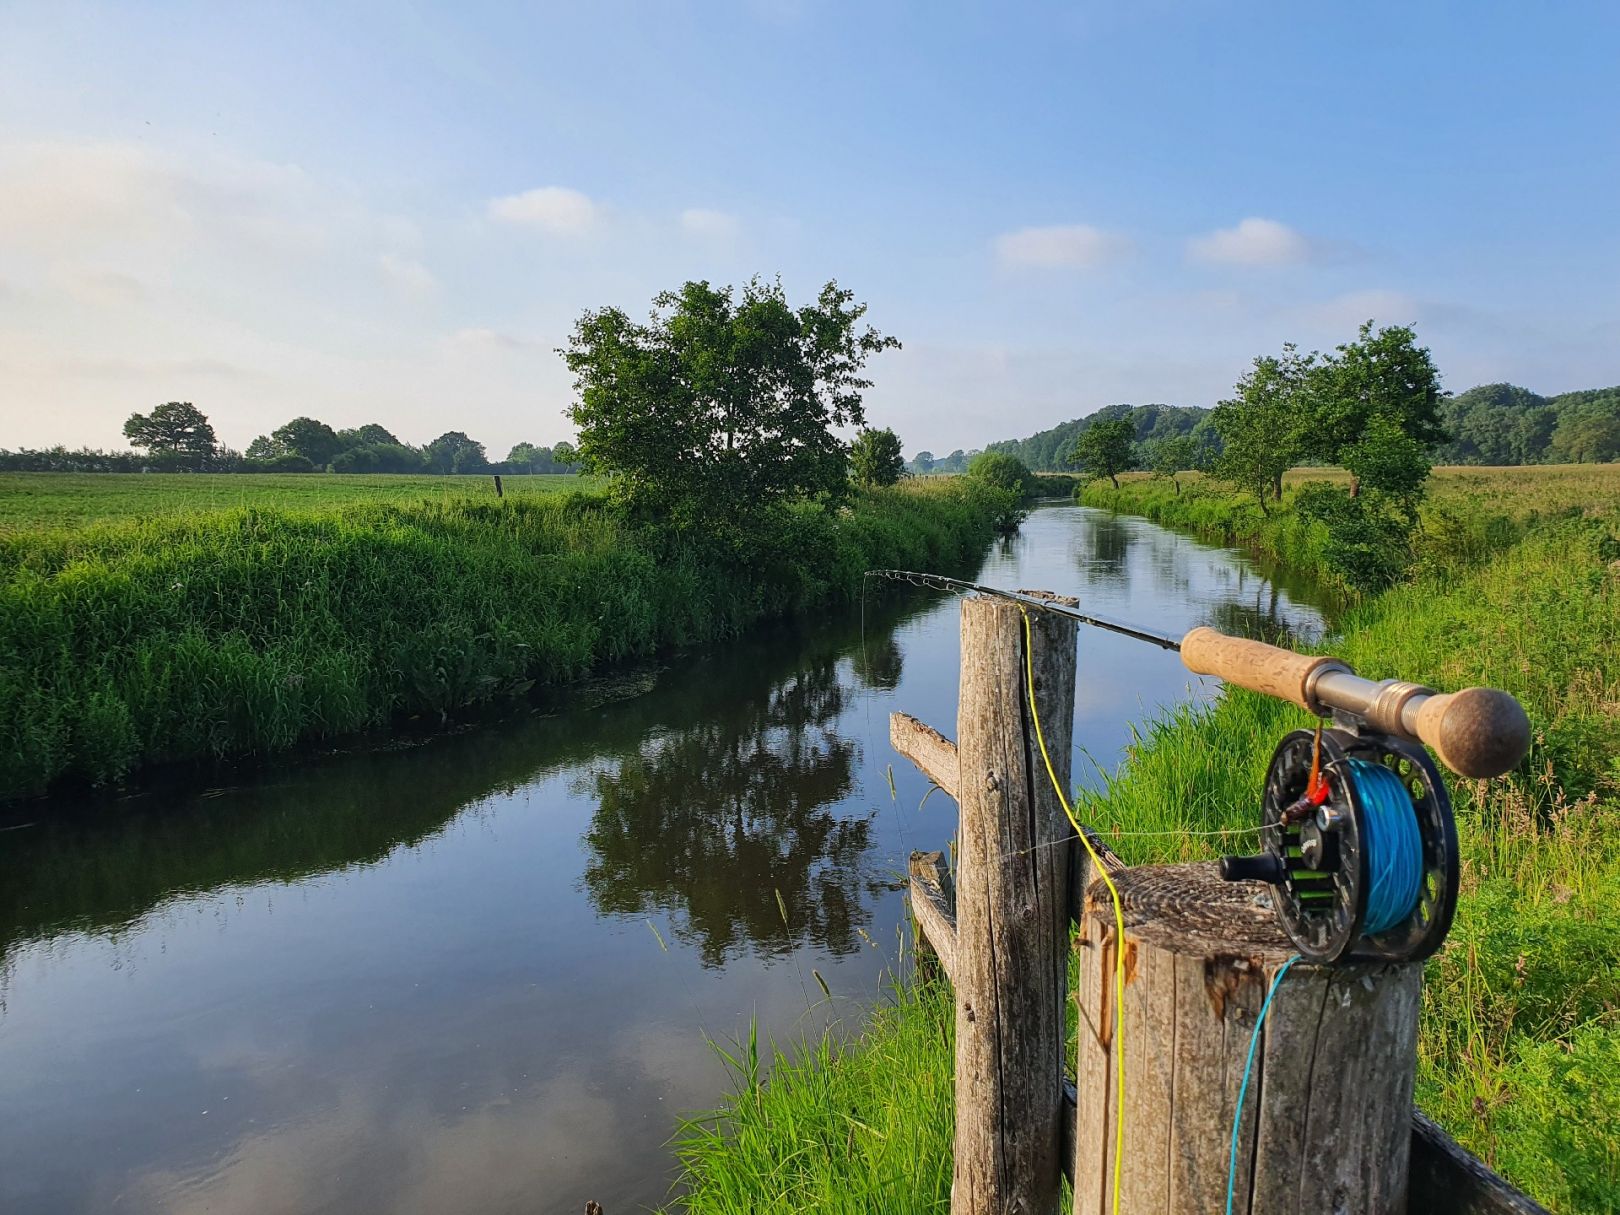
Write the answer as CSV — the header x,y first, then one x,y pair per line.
x,y
153,637
1519,1052
35,501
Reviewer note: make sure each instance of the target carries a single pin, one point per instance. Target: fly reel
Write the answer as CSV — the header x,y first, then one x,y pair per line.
x,y
1362,862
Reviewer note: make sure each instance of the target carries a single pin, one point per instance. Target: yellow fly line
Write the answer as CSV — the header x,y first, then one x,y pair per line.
x,y
1119,913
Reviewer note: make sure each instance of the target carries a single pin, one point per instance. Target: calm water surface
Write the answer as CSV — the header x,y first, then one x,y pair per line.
x,y
475,974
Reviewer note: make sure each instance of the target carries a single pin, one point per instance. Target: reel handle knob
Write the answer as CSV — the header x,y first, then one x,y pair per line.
x,y
1477,732
1262,868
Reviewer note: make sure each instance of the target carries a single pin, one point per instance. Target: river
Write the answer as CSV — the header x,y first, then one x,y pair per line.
x,y
475,971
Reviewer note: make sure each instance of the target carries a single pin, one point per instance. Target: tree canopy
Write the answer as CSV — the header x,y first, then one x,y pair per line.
x,y
1260,427
176,428
1106,449
722,404
875,458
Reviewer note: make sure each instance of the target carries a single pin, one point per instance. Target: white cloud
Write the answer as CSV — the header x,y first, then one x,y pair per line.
x,y
478,339
1069,246
716,225
1386,307
101,288
555,209
407,274
1254,242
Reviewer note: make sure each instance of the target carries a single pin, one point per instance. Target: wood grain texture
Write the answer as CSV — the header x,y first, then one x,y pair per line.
x,y
933,907
1012,912
931,751
1444,1179
1252,664
1326,1125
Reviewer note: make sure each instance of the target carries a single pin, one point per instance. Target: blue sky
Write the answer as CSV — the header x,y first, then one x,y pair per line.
x,y
393,212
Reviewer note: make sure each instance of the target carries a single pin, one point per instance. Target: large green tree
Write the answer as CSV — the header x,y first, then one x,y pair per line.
x,y
1106,449
875,457
454,452
722,404
1262,427
314,440
174,428
1171,455
1385,374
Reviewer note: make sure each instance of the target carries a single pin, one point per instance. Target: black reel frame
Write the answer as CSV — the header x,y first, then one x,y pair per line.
x,y
1317,864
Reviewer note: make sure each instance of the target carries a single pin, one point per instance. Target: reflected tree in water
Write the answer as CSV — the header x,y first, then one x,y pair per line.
x,y
1102,551
1263,615
711,822
877,662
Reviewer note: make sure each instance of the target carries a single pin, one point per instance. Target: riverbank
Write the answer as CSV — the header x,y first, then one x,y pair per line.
x,y
1519,1053
249,631
1470,514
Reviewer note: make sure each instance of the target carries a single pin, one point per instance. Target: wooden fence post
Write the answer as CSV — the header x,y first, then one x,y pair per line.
x,y
1326,1124
1012,911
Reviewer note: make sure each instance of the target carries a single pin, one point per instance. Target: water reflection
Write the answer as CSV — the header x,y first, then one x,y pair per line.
x,y
730,761
732,821
1111,539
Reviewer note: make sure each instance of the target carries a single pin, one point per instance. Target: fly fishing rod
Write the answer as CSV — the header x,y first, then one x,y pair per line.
x,y
1357,836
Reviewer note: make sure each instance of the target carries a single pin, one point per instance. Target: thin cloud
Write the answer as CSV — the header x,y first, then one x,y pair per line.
x,y
1253,242
555,209
715,225
407,274
479,339
101,288
1061,246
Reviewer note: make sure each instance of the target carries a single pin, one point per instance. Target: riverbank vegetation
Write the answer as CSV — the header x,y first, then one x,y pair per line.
x,y
247,631
1519,1053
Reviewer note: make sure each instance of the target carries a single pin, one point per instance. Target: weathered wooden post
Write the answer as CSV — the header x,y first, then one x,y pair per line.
x,y
1012,925
1326,1124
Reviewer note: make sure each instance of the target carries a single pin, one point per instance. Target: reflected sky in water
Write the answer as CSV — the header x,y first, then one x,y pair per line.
x,y
475,972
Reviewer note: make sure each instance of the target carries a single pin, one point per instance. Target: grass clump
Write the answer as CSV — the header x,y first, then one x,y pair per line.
x,y
248,631
859,1129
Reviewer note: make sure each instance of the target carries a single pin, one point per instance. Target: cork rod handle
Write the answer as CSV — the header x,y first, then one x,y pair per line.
x,y
1253,664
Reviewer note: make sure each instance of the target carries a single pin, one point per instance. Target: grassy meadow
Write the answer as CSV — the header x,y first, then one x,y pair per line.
x,y
42,501
157,636
1519,1052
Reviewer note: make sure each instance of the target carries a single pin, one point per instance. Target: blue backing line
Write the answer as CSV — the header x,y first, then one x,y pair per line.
x,y
1243,1089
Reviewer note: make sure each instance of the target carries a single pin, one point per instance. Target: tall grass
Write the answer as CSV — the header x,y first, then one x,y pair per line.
x,y
858,1132
1519,1046
247,631
41,501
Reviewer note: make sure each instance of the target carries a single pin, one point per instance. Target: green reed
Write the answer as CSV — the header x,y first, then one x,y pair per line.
x,y
248,631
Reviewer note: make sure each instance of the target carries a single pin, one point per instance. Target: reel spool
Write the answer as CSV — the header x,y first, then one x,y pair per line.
x,y
1330,858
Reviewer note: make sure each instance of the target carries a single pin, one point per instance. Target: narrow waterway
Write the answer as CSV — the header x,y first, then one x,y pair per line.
x,y
476,972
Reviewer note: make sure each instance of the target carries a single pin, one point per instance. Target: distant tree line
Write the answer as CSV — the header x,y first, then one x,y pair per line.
x,y
1053,450
178,437
1506,424
1491,424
